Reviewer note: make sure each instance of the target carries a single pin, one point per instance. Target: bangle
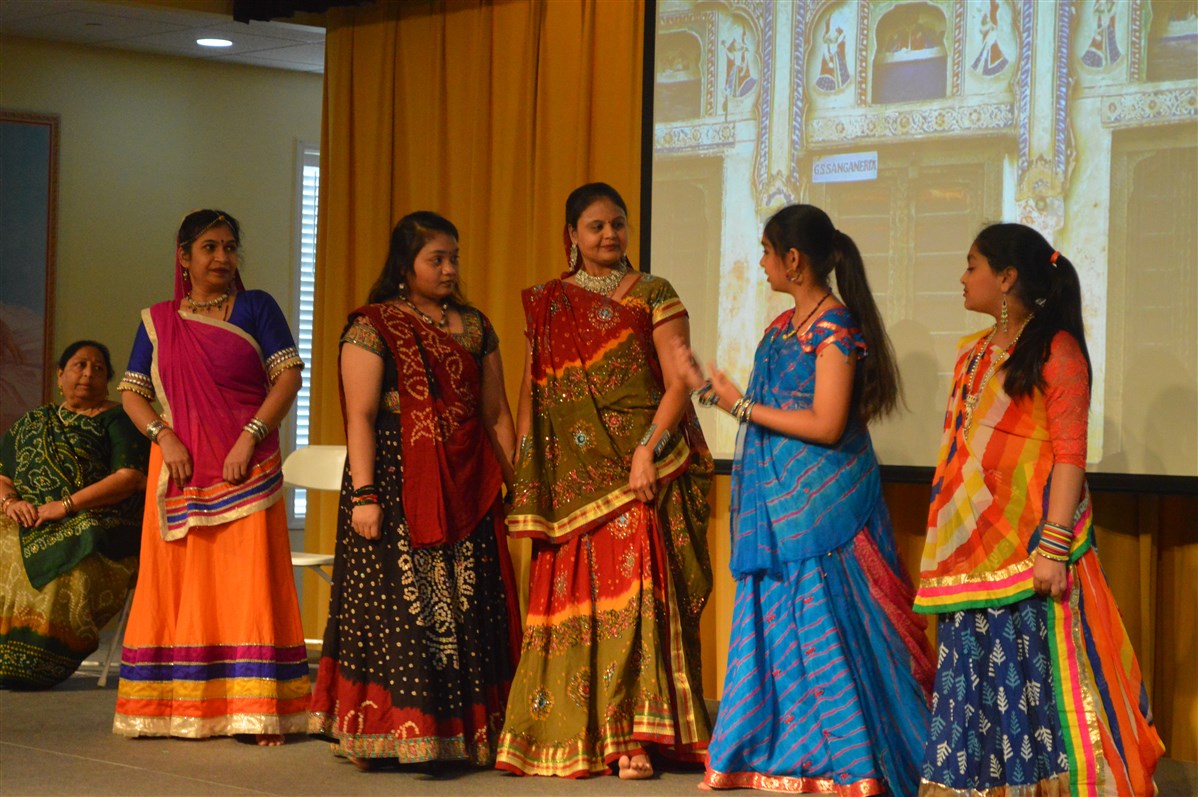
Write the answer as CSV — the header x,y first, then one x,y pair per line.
x,y
1055,540
8,499
648,435
257,429
741,409
365,495
68,505
662,444
154,428
1054,557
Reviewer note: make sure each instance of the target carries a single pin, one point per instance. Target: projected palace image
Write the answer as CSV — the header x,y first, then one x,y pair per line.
x,y
915,123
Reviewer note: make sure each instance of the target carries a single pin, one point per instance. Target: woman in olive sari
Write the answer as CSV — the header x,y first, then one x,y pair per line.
x,y
71,475
611,484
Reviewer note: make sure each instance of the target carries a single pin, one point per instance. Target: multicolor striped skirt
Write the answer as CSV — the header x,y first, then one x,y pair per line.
x,y
214,644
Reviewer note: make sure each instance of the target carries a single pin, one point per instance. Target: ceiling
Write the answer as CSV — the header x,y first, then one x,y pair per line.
x,y
167,31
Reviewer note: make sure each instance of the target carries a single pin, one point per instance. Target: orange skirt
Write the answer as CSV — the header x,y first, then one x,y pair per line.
x,y
214,644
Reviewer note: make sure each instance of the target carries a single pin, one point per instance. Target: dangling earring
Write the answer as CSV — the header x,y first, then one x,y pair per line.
x,y
402,287
1005,317
573,257
186,275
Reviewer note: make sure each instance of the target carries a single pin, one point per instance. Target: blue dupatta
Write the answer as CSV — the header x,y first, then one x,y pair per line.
x,y
792,500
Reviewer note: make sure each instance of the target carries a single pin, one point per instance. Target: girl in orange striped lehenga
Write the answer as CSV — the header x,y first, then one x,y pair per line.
x,y
214,644
1038,691
611,485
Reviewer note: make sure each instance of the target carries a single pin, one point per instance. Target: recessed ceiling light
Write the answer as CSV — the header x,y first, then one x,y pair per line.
x,y
214,42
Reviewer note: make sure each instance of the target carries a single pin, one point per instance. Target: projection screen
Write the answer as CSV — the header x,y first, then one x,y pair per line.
x,y
914,124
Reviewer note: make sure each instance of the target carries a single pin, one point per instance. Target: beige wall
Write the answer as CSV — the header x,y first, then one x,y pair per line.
x,y
143,139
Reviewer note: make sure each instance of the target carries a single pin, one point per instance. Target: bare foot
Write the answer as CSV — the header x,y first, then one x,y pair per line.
x,y
363,764
703,786
635,768
270,739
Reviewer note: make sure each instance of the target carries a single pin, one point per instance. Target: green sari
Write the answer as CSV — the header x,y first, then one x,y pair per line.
x,y
61,582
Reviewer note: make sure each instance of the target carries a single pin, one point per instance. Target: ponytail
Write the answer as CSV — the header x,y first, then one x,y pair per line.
x,y
1048,285
878,385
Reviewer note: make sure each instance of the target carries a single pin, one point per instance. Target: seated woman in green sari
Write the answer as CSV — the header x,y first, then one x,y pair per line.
x,y
72,476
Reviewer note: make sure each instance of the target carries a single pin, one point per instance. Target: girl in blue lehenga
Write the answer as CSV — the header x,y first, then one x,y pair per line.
x,y
829,670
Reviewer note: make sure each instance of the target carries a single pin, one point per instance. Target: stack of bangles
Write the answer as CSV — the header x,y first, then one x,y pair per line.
x,y
257,429
68,505
1055,541
742,409
366,495
707,396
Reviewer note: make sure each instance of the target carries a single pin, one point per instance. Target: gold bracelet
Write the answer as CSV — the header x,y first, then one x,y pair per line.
x,y
68,505
8,499
1054,557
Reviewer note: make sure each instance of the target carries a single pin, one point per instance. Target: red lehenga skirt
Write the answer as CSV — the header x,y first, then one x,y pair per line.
x,y
610,655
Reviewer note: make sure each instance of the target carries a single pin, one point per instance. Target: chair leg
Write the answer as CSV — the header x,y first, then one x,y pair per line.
x,y
118,639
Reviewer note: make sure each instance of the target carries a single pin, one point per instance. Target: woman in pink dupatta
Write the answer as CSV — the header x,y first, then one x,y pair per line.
x,y
214,644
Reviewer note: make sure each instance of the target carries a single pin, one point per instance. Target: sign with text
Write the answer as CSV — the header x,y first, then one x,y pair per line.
x,y
845,168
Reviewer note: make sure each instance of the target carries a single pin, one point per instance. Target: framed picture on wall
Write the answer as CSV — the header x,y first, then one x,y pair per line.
x,y
28,223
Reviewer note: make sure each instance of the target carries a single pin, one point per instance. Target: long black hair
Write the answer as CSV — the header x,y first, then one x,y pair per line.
x,y
410,235
808,229
1048,286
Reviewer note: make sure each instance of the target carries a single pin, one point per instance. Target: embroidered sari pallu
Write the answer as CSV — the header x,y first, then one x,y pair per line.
x,y
610,654
829,670
423,630
989,495
214,644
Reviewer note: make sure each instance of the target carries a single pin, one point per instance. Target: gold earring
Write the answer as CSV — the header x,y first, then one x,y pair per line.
x,y
573,256
1005,317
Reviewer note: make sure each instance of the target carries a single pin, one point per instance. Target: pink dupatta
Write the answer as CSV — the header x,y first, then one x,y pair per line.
x,y
211,378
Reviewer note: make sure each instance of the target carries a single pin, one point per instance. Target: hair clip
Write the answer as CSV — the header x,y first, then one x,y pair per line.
x,y
1052,261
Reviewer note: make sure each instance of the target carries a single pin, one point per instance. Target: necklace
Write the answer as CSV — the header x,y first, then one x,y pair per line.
x,y
442,324
216,303
601,285
86,413
972,398
794,329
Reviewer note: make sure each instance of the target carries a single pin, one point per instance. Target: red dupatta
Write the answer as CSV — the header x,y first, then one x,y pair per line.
x,y
451,478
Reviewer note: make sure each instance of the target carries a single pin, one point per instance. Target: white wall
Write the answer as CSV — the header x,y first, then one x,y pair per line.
x,y
144,139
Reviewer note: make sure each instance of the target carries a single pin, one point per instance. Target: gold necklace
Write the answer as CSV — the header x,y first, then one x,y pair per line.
x,y
601,285
794,330
442,324
972,398
217,303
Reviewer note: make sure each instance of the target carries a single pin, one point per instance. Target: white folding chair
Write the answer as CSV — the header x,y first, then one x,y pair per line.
x,y
315,468
114,644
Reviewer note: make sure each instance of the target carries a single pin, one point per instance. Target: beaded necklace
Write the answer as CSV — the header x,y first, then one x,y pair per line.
x,y
216,303
90,413
601,285
442,324
971,397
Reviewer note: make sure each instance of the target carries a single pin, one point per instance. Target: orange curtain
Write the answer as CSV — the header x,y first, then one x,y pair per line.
x,y
487,112
490,113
